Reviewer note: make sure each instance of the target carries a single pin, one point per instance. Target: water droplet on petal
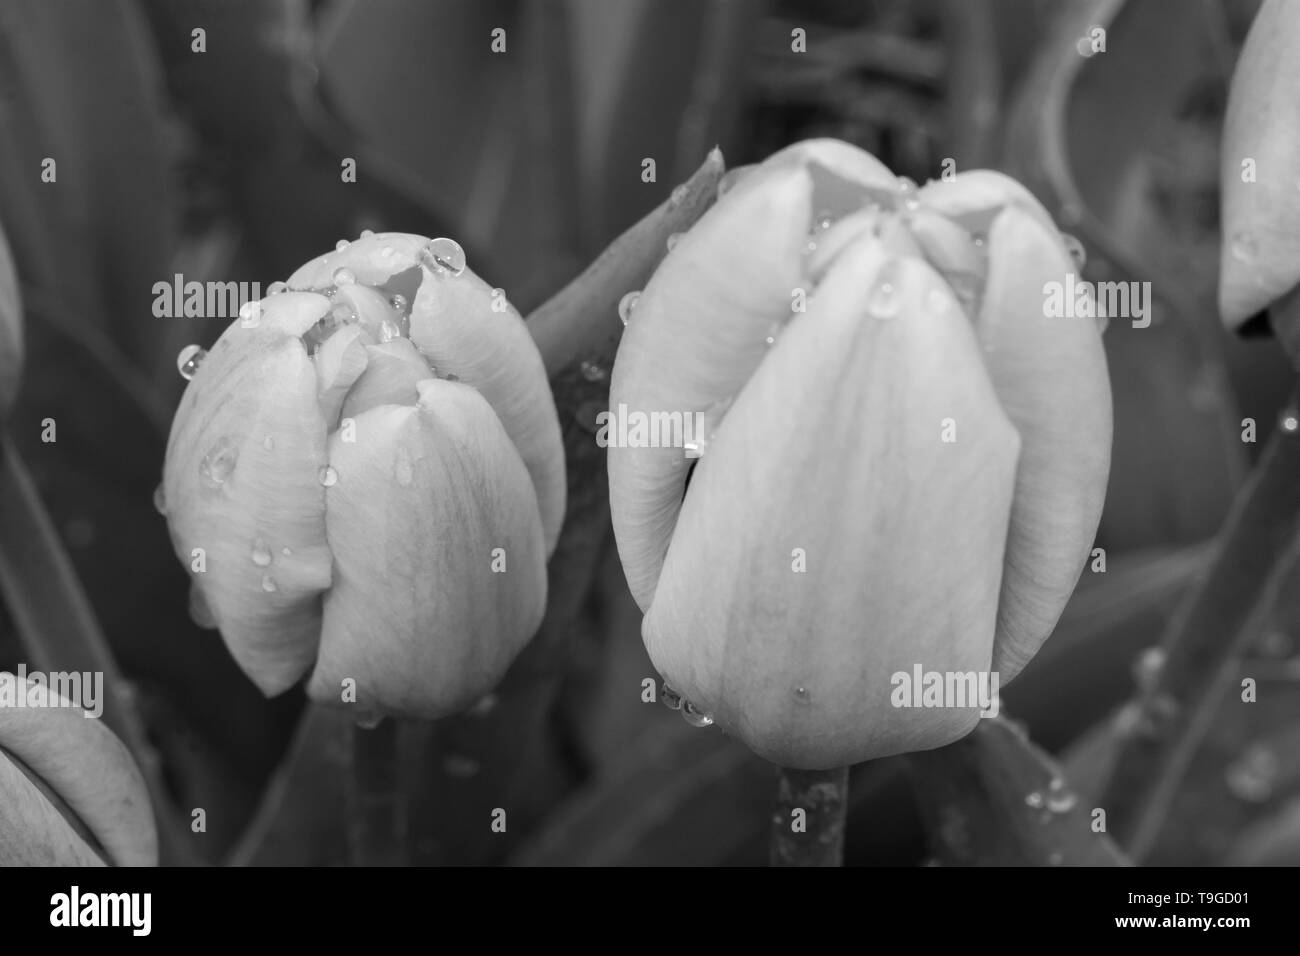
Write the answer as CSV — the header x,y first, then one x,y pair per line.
x,y
802,695
286,551
1290,421
402,467
268,443
328,476
399,304
1243,246
275,288
160,500
218,463
673,240
250,315
444,257
261,553
341,245
678,196
1062,802
626,305
344,276
694,716
978,240
593,371
1076,250
269,585
340,314
388,331
386,252
189,360
670,698
885,301
485,705
366,233
773,333
1035,800
906,185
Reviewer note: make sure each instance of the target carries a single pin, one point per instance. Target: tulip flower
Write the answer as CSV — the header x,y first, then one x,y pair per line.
x,y
1260,258
70,794
371,461
904,458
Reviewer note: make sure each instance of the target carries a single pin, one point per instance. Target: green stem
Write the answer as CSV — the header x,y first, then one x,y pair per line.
x,y
808,825
376,813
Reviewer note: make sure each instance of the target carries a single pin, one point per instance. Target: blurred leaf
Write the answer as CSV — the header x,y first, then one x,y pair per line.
x,y
993,799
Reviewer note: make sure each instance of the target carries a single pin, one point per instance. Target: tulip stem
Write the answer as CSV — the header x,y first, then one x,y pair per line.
x,y
377,813
808,825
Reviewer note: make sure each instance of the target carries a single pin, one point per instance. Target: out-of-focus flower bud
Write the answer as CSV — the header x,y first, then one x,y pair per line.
x,y
911,466
371,463
11,331
1260,166
70,794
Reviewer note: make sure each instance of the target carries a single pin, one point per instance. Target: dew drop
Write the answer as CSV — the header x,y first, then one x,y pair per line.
x,y
1147,667
340,314
678,196
675,238
341,245
694,716
189,360
1290,421
402,467
261,553
160,500
670,698
276,288
388,331
1062,802
399,304
906,186
1035,800
218,463
444,257
593,371
366,233
328,476
773,333
269,443
250,315
344,276
885,301
626,305
1243,246
269,585
286,551
802,695
386,252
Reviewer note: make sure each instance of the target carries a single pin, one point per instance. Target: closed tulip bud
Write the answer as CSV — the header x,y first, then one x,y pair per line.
x,y
906,467
11,331
1260,166
70,794
371,462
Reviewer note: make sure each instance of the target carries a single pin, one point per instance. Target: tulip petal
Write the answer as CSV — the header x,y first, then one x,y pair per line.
x,y
339,363
242,482
454,324
702,323
1050,376
91,771
417,616
393,370
1260,257
32,831
834,447
975,198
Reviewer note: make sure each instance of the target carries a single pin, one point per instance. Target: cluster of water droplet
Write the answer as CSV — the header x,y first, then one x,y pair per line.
x,y
690,713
